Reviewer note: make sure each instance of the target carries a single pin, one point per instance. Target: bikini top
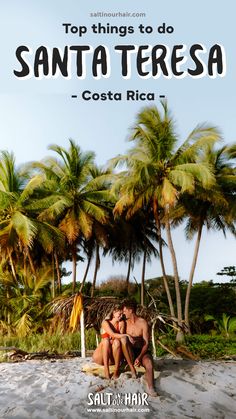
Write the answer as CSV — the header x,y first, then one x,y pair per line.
x,y
104,334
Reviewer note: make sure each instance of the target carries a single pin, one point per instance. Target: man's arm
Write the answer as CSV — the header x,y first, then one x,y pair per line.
x,y
145,336
108,329
122,327
123,332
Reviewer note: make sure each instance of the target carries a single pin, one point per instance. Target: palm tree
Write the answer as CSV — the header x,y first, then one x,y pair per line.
x,y
158,172
29,299
75,199
24,300
20,229
7,284
17,229
148,239
88,248
99,239
131,238
124,244
210,208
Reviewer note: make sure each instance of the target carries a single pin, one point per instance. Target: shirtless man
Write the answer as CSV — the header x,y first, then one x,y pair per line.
x,y
113,344
137,328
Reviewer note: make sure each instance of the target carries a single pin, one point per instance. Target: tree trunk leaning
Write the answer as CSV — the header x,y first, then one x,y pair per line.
x,y
85,274
74,262
129,268
165,281
143,277
58,273
97,265
191,275
179,336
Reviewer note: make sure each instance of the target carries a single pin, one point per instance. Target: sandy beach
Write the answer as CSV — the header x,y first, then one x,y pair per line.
x,y
59,389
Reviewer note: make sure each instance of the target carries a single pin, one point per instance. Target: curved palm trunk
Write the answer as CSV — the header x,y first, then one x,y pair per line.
x,y
97,266
58,272
129,267
143,276
165,281
25,264
31,262
8,313
86,273
12,265
190,282
53,277
74,266
179,336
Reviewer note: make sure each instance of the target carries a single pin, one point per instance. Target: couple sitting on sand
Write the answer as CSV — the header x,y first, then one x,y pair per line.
x,y
127,339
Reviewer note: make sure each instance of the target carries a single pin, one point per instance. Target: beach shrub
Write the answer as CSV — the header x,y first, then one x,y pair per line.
x,y
226,326
57,342
203,346
211,347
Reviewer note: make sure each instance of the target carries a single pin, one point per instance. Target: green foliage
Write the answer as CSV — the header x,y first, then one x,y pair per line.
x,y
203,346
215,299
66,208
23,325
169,341
206,297
228,271
211,347
57,342
155,287
225,326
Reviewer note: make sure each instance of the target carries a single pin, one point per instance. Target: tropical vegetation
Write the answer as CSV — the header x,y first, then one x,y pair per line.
x,y
66,208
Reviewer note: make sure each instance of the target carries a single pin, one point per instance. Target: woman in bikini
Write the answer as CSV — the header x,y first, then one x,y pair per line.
x,y
113,344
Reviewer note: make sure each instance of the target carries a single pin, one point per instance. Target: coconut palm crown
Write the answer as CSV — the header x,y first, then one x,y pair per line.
x,y
158,170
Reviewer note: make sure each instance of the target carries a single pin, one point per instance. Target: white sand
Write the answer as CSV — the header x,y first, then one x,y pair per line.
x,y
45,389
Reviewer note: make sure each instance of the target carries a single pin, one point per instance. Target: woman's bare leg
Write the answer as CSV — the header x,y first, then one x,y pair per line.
x,y
106,351
102,355
116,351
98,355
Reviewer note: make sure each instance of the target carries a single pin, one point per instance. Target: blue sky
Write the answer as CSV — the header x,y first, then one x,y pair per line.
x,y
36,113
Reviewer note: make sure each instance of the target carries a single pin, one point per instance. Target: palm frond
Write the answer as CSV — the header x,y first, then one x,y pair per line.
x,y
25,228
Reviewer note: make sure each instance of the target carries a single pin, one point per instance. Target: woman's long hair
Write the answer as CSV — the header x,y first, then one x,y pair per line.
x,y
116,307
